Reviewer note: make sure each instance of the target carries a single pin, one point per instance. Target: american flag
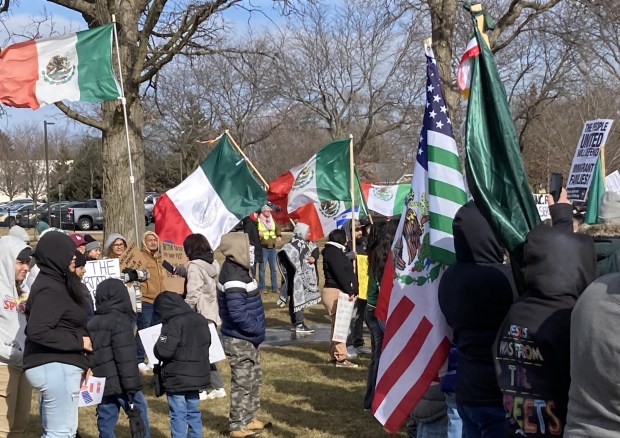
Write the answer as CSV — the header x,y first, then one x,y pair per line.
x,y
417,339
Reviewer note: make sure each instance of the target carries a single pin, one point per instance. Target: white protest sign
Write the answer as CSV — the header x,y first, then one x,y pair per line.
x,y
344,313
99,270
150,335
542,205
612,182
593,137
92,392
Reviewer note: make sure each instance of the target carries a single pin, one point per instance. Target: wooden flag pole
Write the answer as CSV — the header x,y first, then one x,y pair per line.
x,y
132,179
247,160
352,182
477,7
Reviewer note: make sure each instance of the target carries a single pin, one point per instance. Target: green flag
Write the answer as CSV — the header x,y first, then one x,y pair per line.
x,y
597,188
495,172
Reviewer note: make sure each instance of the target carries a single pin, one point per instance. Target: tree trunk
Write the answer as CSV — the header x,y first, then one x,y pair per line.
x,y
118,215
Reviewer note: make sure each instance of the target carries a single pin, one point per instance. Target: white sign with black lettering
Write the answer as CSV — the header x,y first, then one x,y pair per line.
x,y
99,270
593,138
542,205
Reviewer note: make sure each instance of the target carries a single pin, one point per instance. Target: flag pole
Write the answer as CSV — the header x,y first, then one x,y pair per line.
x,y
477,7
132,179
247,160
352,183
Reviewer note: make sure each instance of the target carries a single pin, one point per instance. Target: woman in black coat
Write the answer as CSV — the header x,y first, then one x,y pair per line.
x,y
339,277
58,347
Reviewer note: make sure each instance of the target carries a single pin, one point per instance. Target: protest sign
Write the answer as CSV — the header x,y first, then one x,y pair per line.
x,y
91,392
99,270
344,312
612,182
542,206
149,337
132,258
593,138
362,275
175,255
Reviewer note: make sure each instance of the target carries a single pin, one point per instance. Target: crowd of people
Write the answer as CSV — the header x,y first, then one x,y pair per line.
x,y
531,358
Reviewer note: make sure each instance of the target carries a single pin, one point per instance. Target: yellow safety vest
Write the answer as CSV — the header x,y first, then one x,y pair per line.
x,y
267,234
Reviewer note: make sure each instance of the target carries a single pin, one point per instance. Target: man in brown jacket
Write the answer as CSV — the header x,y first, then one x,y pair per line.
x,y
149,289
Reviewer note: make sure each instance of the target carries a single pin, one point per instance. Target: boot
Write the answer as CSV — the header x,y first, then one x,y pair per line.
x,y
258,425
242,433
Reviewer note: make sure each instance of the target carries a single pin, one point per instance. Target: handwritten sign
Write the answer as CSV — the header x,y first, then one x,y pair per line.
x,y
344,313
99,270
175,255
91,392
542,205
132,258
593,138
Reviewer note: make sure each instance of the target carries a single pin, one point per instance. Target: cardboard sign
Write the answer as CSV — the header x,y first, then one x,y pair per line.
x,y
593,138
362,275
91,392
344,313
175,255
132,258
149,337
542,205
99,270
612,182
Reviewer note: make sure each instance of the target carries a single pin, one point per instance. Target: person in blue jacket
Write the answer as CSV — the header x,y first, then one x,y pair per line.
x,y
243,330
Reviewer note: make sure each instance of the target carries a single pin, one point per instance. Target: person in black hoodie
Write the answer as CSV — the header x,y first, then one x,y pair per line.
x,y
183,349
339,277
532,349
478,280
57,349
114,357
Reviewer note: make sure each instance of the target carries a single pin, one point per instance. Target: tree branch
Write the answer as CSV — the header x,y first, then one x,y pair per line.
x,y
98,124
85,7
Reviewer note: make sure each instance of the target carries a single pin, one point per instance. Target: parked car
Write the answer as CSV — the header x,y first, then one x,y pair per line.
x,y
12,208
149,202
88,216
58,218
27,217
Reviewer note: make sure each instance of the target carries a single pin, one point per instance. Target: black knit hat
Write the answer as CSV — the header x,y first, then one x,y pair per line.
x,y
80,259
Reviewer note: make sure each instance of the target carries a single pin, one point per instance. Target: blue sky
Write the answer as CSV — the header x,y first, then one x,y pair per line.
x,y
64,21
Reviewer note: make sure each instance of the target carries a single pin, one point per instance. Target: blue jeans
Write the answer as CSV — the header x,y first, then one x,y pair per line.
x,y
377,328
185,420
483,421
435,429
147,318
108,409
455,424
59,385
269,255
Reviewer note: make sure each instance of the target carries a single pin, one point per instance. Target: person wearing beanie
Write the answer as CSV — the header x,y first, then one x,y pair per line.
x,y
93,248
20,233
269,233
79,242
80,270
115,244
606,234
297,262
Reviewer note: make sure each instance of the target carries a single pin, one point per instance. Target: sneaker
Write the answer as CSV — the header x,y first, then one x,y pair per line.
x,y
242,433
143,368
216,393
302,328
346,364
258,425
363,350
351,352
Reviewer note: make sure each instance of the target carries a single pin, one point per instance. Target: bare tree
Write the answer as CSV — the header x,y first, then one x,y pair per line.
x,y
10,183
28,140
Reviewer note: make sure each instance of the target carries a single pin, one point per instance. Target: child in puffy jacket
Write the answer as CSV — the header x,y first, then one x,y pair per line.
x,y
183,350
114,356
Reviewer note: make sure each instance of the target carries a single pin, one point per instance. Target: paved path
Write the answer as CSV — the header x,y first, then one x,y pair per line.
x,y
282,335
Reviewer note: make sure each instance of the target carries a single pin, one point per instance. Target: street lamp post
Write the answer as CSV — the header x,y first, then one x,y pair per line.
x,y
47,173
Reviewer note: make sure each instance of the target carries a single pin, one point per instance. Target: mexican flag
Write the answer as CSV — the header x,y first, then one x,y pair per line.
x,y
210,201
324,177
322,217
74,67
386,200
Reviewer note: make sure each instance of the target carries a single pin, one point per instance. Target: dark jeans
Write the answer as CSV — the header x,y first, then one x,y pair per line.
x,y
296,317
147,318
109,408
376,328
482,421
356,337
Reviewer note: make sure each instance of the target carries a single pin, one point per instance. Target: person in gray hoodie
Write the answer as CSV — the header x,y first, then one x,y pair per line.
x,y
594,394
15,391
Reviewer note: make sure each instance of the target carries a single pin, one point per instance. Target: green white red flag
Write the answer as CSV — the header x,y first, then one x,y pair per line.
x,y
74,67
211,200
387,200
